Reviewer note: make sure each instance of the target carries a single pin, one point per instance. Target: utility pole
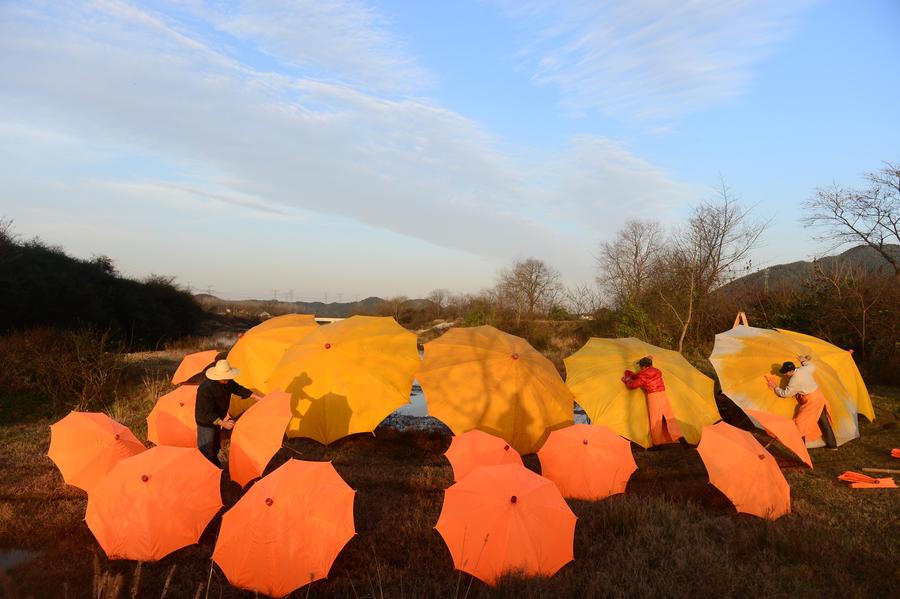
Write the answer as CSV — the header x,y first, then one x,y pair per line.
x,y
290,296
275,294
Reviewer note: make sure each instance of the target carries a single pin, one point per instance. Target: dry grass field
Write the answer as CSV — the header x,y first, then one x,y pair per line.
x,y
671,535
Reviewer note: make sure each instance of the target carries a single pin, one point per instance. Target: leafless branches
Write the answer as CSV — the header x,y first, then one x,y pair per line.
x,y
870,216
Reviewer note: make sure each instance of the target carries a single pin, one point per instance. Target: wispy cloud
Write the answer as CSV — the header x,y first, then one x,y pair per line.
x,y
333,40
648,59
112,75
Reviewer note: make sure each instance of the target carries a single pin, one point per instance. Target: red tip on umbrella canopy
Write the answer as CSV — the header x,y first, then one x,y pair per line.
x,y
257,436
86,445
587,461
784,430
193,364
476,448
287,530
154,503
506,519
171,422
744,471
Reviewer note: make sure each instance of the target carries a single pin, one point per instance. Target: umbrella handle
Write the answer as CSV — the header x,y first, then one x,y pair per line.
x,y
740,319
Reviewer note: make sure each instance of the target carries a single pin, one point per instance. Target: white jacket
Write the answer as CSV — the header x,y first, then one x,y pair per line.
x,y
801,382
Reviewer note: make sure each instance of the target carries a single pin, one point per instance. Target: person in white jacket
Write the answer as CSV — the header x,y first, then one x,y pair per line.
x,y
811,417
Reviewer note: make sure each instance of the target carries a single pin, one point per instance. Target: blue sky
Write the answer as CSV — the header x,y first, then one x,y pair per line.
x,y
350,148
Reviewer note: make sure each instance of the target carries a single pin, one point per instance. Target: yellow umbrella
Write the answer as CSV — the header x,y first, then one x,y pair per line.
x,y
347,376
594,374
259,350
744,355
482,378
845,367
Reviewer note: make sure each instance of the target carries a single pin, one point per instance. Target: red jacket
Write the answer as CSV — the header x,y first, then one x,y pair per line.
x,y
650,379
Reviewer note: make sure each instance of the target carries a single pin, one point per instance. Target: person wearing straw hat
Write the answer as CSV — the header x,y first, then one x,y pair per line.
x,y
663,426
812,407
211,410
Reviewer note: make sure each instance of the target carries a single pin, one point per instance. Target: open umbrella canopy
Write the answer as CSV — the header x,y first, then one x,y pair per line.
x,y
193,364
587,461
506,519
257,436
480,377
154,503
594,374
744,471
841,360
744,355
171,421
347,376
784,430
259,350
476,448
287,530
86,445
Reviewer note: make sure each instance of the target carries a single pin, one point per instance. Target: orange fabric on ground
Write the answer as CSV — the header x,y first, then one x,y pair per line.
x,y
659,408
506,519
587,461
154,503
477,448
172,422
287,530
744,471
809,408
863,481
86,445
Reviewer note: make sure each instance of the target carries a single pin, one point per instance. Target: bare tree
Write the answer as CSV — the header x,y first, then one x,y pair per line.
x,y
708,253
870,216
626,263
583,299
528,286
392,306
441,300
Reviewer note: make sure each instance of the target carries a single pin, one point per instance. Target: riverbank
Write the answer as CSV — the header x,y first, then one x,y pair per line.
x,y
670,535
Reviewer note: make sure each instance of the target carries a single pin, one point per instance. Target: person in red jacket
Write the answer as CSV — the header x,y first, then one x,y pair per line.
x,y
663,426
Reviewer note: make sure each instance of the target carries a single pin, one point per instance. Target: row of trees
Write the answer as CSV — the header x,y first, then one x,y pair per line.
x,y
670,287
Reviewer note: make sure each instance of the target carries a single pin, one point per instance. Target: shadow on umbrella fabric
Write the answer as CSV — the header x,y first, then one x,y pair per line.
x,y
325,419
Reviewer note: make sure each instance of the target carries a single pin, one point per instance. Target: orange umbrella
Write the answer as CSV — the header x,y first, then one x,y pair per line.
x,y
287,530
86,445
481,377
193,364
783,429
257,437
154,503
744,471
476,448
506,519
587,461
260,349
171,422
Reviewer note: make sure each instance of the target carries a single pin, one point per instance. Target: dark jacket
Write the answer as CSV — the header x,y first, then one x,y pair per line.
x,y
213,399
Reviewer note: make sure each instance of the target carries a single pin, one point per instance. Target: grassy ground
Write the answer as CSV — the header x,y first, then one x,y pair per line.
x,y
671,535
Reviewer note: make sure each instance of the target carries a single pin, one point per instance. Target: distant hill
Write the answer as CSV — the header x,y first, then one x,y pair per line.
x,y
792,276
253,308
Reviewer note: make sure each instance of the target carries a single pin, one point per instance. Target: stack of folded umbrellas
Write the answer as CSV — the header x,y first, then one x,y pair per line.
x,y
863,481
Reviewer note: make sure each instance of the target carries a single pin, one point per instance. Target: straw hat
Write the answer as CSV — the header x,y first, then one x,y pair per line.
x,y
222,371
